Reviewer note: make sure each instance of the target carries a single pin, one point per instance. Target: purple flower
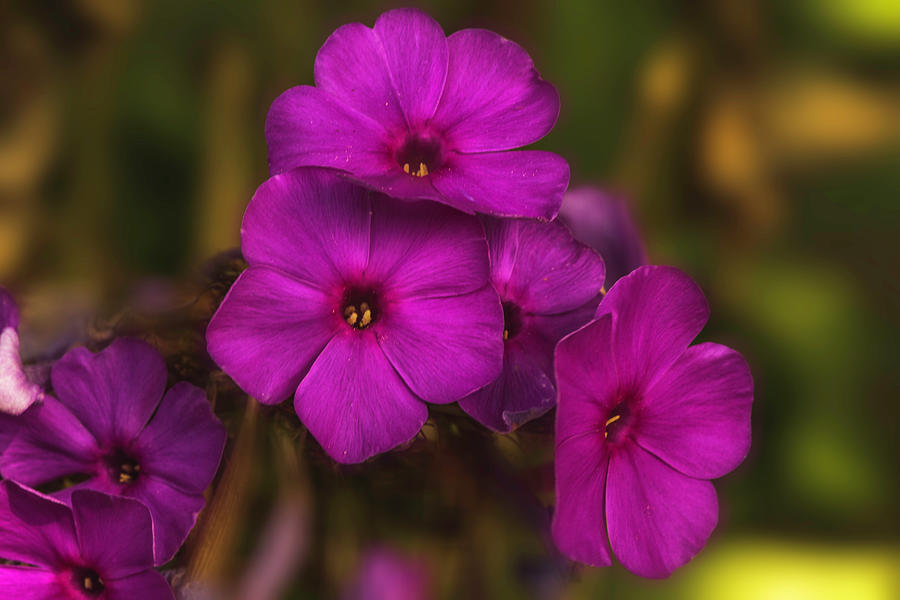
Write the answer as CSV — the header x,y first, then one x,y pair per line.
x,y
644,422
412,113
17,393
550,286
601,220
101,427
99,549
387,575
363,304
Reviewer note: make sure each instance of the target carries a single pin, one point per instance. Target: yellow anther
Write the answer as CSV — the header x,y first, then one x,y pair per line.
x,y
506,334
422,171
88,583
124,478
612,419
366,318
349,310
352,318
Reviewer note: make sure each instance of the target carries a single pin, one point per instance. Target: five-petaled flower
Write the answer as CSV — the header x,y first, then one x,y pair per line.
x,y
415,114
549,285
108,423
362,306
100,548
644,422
17,393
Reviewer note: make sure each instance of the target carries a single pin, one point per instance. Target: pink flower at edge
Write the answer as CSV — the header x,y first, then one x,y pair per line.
x,y
406,110
17,393
644,421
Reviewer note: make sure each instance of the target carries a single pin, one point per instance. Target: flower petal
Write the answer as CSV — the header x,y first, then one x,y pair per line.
x,y
352,65
308,127
525,183
17,393
147,585
585,380
268,330
696,418
184,426
113,392
354,403
601,220
657,311
551,272
115,534
28,583
49,443
310,224
557,326
494,98
422,249
658,518
174,513
9,310
445,348
579,525
34,528
523,391
416,50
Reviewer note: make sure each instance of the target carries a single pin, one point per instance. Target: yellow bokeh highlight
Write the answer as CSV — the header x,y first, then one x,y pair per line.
x,y
782,570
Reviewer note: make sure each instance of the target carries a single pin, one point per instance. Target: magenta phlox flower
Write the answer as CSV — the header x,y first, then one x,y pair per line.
x,y
602,220
110,425
99,548
549,285
17,393
361,306
410,112
644,422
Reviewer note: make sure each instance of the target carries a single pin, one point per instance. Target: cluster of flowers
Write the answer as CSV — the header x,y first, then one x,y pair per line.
x,y
403,253
142,457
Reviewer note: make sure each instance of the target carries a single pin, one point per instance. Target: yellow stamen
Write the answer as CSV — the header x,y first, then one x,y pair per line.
x,y
612,419
88,584
422,171
366,318
506,334
352,318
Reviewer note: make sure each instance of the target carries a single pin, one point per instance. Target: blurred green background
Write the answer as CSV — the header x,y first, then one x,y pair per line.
x,y
759,143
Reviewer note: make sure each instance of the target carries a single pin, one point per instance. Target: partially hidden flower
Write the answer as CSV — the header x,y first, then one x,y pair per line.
x,y
549,285
602,220
410,112
109,425
644,422
361,306
385,574
99,548
17,393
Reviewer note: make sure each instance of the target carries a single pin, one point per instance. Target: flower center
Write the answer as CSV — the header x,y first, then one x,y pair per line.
x,y
359,308
88,582
620,420
123,468
420,154
512,320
